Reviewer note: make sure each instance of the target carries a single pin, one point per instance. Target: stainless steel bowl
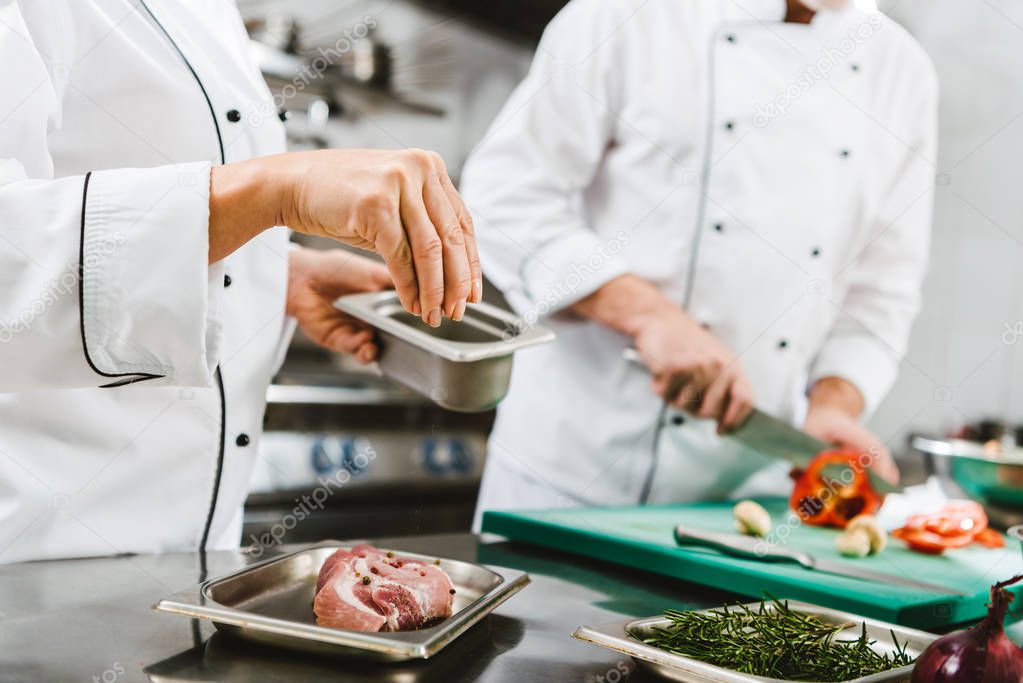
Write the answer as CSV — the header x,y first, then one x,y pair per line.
x,y
463,366
1017,533
990,477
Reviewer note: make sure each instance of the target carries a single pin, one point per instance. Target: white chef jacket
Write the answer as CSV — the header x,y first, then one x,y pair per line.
x,y
700,146
112,113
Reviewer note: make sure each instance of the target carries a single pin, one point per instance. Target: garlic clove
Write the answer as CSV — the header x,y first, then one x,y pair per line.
x,y
751,518
853,544
867,525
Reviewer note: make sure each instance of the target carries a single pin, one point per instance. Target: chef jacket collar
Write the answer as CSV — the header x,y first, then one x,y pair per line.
x,y
756,10
826,22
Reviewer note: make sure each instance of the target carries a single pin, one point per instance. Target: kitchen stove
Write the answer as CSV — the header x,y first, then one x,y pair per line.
x,y
348,453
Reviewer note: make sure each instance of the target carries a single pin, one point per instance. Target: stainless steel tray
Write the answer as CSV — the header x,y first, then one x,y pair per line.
x,y
678,668
271,602
462,366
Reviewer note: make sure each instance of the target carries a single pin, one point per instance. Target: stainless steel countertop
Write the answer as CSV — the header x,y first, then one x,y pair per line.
x,y
90,620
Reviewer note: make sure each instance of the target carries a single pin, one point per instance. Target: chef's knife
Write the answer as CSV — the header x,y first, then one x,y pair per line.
x,y
775,439
779,440
748,547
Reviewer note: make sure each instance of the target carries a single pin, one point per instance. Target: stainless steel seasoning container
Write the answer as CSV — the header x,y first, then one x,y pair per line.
x,y
463,366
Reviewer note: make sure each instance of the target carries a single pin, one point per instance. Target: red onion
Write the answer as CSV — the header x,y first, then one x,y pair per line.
x,y
981,653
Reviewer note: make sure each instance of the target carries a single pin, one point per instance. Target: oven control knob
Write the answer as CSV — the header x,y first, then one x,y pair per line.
x,y
461,456
432,458
320,458
356,455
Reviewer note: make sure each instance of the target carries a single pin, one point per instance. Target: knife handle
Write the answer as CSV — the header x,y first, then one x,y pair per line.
x,y
675,385
737,545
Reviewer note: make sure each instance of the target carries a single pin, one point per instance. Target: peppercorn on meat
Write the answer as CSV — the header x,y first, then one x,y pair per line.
x,y
367,589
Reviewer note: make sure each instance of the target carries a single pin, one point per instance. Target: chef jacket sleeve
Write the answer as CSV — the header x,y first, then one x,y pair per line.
x,y
874,317
103,277
523,181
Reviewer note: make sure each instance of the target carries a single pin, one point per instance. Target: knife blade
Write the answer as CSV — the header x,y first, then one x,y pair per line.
x,y
778,440
751,548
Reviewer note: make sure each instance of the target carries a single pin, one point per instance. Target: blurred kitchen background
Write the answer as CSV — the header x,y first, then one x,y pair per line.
x,y
433,74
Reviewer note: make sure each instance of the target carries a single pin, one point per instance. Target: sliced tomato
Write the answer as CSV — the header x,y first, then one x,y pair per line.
x,y
926,541
824,500
989,538
958,524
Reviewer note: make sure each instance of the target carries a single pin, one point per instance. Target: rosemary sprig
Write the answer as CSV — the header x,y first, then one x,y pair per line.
x,y
775,641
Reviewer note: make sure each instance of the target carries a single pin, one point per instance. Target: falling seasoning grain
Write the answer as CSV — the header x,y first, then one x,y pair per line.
x,y
390,554
365,580
452,591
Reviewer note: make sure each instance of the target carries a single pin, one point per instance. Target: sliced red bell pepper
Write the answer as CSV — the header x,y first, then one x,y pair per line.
x,y
825,500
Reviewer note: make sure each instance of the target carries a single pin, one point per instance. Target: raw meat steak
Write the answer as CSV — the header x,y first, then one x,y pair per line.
x,y
365,589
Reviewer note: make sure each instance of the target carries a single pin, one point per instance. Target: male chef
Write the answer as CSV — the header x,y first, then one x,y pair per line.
x,y
738,190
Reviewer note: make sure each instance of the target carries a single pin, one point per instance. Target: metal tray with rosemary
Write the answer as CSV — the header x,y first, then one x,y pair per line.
x,y
627,638
463,366
271,603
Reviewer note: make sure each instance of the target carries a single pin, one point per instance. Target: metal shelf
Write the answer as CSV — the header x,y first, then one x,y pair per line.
x,y
286,394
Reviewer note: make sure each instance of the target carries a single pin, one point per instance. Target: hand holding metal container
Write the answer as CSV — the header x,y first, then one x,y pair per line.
x,y
463,366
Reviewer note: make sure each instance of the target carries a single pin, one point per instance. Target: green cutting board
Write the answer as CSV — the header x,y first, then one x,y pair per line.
x,y
641,537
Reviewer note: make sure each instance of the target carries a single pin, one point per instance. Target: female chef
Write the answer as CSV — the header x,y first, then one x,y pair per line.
x,y
143,287
741,191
